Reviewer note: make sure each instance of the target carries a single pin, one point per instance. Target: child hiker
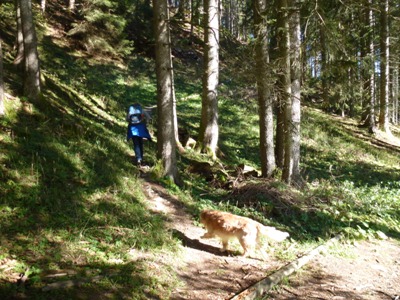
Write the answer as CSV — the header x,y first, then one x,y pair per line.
x,y
137,130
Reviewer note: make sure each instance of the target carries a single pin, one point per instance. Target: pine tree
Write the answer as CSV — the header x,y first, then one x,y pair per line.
x,y
31,56
2,111
166,142
264,89
384,68
209,131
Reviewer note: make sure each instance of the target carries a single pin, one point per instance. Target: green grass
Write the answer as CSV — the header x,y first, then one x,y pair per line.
x,y
70,198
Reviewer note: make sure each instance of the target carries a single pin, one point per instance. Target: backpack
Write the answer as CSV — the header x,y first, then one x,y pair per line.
x,y
135,114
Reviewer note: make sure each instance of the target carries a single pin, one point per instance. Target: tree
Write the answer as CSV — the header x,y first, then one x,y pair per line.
x,y
264,89
209,131
283,84
395,93
384,68
71,5
19,57
166,143
31,56
369,70
293,111
2,112
43,5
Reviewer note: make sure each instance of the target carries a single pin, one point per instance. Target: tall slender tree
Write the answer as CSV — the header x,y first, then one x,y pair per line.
x,y
209,131
264,89
166,143
71,5
19,42
291,172
384,68
395,93
31,56
2,111
283,83
369,66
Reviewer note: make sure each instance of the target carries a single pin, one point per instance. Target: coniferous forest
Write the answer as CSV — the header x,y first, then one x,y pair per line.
x,y
283,111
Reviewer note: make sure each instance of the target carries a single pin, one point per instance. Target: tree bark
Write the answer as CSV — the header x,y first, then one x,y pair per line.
x,y
395,93
2,111
264,89
43,5
166,144
368,69
292,164
384,68
175,118
324,67
31,56
19,57
371,81
209,131
71,5
284,89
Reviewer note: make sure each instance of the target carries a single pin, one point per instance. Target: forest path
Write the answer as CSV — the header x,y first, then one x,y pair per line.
x,y
367,270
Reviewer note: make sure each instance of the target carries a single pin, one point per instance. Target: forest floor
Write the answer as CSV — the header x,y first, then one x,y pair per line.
x,y
368,270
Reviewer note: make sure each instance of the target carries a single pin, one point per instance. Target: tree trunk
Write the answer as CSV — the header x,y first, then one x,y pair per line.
x,y
166,144
31,56
368,70
264,89
284,88
209,131
384,68
372,93
71,5
2,111
175,118
19,57
43,5
324,67
395,93
292,164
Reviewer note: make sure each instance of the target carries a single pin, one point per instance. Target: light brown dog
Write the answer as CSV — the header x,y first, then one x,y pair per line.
x,y
249,232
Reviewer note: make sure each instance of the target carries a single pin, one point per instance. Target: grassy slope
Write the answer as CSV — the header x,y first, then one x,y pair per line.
x,y
71,199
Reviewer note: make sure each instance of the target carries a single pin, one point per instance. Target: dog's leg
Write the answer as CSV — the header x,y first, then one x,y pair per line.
x,y
209,234
247,244
224,245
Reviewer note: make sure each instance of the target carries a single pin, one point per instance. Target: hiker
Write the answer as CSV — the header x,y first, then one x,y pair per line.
x,y
137,129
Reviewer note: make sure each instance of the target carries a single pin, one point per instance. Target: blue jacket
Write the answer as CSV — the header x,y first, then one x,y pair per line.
x,y
138,130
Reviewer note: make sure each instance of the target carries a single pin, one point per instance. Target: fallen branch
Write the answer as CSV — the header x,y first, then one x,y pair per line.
x,y
263,286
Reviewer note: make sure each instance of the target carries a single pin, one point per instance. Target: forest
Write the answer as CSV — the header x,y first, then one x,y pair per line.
x,y
283,111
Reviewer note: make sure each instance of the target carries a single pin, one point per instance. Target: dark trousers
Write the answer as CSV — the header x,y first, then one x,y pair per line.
x,y
138,147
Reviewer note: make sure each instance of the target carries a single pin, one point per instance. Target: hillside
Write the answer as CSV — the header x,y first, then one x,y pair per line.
x,y
76,212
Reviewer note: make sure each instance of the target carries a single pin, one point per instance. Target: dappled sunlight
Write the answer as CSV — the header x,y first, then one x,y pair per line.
x,y
389,138
78,219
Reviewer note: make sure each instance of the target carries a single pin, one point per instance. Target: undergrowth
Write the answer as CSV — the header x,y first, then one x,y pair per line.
x,y
71,201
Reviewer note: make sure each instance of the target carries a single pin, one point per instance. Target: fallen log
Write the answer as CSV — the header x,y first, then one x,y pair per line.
x,y
263,286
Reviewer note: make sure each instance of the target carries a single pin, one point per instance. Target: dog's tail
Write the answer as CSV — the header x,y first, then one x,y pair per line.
x,y
272,233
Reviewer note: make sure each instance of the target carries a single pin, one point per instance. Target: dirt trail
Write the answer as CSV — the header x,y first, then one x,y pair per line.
x,y
369,270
